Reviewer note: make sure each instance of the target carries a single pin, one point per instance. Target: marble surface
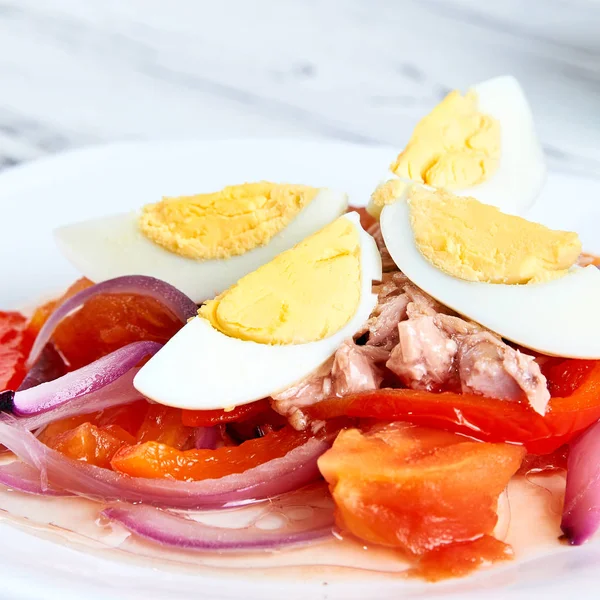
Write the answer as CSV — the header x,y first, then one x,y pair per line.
x,y
76,73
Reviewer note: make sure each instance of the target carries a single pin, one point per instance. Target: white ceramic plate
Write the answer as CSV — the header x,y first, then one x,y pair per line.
x,y
35,198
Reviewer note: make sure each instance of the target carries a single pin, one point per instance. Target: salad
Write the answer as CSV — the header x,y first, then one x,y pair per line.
x,y
392,369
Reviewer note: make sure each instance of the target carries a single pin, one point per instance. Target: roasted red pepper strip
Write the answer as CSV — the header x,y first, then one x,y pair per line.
x,y
207,418
488,419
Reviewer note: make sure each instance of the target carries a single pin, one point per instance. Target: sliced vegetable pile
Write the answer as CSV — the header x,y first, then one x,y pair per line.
x,y
397,462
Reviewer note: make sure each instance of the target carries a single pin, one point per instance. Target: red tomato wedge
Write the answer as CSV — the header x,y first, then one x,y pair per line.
x,y
156,460
15,344
488,419
207,418
414,488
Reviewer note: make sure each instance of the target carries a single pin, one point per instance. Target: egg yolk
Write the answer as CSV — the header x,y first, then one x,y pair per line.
x,y
303,295
453,147
477,242
226,223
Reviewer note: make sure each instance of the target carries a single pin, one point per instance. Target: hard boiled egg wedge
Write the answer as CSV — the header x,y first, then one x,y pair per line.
x,y
480,144
549,308
201,244
274,327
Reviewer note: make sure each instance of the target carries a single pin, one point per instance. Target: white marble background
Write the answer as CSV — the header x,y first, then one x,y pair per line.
x,y
80,72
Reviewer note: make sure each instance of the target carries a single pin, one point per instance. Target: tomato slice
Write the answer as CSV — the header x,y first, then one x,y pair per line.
x,y
207,418
91,444
110,321
488,419
156,460
415,488
15,344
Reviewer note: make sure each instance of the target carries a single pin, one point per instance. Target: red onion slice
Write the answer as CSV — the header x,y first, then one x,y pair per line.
x,y
23,478
206,437
81,383
292,471
170,297
581,512
117,393
168,529
48,366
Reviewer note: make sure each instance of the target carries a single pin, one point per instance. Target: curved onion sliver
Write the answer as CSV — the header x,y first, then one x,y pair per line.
x,y
170,297
49,365
23,478
73,391
168,529
292,471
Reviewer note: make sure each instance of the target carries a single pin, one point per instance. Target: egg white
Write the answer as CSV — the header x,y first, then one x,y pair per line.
x,y
201,368
112,246
521,172
559,317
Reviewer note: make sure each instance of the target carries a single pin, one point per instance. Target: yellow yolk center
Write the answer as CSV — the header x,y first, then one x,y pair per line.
x,y
226,223
305,294
477,242
453,147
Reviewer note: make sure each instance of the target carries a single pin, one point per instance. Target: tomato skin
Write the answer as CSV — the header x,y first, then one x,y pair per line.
x,y
156,460
15,344
487,419
208,418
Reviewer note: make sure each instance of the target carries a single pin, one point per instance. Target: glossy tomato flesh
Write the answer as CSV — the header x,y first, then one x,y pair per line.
x,y
110,321
415,488
91,444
